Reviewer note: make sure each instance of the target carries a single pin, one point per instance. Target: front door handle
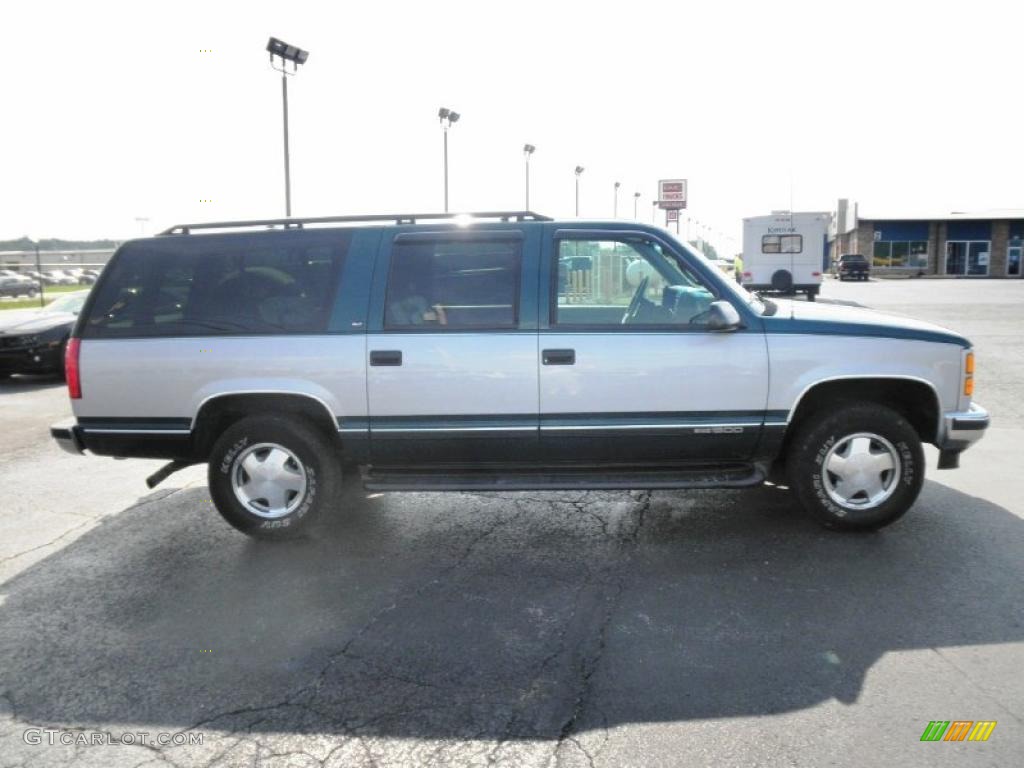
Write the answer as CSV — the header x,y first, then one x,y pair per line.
x,y
386,357
558,356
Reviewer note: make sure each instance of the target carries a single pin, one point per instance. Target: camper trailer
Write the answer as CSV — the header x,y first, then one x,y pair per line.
x,y
785,252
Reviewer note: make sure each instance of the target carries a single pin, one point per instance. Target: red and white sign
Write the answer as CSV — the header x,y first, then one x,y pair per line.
x,y
672,194
671,215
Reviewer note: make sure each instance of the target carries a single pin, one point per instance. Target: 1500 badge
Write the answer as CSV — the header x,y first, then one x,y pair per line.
x,y
717,430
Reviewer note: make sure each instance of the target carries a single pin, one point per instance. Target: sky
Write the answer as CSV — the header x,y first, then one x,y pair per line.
x,y
169,111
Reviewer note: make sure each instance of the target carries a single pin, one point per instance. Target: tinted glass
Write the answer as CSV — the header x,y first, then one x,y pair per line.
x,y
219,285
453,284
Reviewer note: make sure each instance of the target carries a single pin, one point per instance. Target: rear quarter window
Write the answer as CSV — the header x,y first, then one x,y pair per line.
x,y
271,283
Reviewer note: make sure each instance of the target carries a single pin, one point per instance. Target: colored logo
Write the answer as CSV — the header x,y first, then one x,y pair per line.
x,y
958,730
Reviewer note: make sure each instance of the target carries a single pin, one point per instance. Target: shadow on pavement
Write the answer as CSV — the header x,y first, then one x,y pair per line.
x,y
503,617
30,383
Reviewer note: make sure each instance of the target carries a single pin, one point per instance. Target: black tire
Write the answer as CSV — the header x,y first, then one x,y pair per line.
x,y
816,437
318,459
812,295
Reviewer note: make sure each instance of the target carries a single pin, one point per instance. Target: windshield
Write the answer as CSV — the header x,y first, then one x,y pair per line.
x,y
70,303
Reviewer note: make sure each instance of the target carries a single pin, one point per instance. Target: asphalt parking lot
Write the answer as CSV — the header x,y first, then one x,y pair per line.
x,y
597,629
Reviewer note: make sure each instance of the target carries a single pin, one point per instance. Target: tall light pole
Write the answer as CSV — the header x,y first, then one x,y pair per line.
x,y
142,222
296,56
579,171
528,149
615,206
654,211
636,199
448,118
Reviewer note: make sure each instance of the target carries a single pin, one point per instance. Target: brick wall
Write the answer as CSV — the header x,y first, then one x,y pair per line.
x,y
997,254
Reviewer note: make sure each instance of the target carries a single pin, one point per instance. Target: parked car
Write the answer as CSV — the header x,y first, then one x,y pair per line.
x,y
498,352
60,277
852,265
17,286
34,342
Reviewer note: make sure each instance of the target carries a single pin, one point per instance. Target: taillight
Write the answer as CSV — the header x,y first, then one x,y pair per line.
x,y
71,370
748,274
815,274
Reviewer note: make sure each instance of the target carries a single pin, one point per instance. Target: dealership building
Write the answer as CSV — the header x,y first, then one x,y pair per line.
x,y
983,244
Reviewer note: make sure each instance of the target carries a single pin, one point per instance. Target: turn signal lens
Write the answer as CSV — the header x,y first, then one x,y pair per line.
x,y
969,364
969,386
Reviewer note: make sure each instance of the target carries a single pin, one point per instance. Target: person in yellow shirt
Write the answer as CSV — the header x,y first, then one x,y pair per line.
x,y
738,268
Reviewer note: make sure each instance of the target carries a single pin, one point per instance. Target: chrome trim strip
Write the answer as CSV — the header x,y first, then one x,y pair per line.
x,y
652,426
454,429
94,431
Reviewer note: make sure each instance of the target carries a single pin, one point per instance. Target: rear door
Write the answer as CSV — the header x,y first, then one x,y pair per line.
x,y
629,371
452,347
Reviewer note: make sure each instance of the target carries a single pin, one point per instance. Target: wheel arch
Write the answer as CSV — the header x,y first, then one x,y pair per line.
x,y
915,398
219,411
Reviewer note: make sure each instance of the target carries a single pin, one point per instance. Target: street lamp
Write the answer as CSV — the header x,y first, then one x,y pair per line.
x,y
579,171
528,149
615,206
636,199
448,118
296,56
654,211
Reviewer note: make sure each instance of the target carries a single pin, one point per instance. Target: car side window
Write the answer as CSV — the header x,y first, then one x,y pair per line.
x,y
218,287
454,284
617,283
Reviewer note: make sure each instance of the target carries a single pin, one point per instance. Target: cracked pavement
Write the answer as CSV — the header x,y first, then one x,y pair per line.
x,y
536,629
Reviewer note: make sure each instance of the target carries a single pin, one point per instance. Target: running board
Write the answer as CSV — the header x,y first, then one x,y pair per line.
x,y
597,478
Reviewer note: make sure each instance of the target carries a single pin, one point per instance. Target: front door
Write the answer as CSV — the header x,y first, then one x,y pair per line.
x,y
1014,254
629,371
451,353
967,257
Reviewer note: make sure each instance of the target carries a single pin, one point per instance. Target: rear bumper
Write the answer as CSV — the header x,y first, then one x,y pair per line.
x,y
68,436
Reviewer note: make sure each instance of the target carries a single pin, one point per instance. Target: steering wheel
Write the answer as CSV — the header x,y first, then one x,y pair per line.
x,y
634,303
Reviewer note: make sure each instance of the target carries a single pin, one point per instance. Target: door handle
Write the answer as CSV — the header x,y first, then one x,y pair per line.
x,y
386,357
558,356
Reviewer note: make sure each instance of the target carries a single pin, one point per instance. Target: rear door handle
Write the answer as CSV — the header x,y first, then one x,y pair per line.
x,y
386,357
558,356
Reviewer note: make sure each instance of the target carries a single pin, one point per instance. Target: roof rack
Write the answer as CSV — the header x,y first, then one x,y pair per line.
x,y
397,218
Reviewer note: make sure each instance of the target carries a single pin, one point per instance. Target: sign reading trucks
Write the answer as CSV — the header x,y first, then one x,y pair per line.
x,y
672,194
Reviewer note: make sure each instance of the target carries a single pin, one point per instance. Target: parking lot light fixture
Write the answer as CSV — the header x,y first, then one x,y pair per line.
x,y
579,172
286,53
448,118
636,200
615,205
528,149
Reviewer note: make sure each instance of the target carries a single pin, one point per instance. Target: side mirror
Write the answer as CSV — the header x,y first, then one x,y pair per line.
x,y
722,316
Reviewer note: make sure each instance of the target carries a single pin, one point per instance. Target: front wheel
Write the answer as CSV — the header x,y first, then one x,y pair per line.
x,y
860,467
271,477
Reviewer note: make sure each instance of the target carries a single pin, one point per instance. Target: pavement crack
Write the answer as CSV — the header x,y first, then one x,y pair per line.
x,y
973,684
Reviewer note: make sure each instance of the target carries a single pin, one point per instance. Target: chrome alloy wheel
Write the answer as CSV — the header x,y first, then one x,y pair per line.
x,y
861,471
268,480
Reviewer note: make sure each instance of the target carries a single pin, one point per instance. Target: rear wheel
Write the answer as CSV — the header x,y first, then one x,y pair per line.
x,y
271,477
860,467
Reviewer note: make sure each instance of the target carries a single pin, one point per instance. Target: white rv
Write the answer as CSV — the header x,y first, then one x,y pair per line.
x,y
785,252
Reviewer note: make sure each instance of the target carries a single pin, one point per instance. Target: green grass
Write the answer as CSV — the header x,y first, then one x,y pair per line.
x,y
49,293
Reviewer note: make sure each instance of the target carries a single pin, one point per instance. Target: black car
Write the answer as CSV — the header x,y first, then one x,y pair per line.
x,y
17,286
33,342
852,265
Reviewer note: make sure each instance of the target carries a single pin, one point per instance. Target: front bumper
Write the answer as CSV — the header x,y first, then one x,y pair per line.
x,y
68,436
961,430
